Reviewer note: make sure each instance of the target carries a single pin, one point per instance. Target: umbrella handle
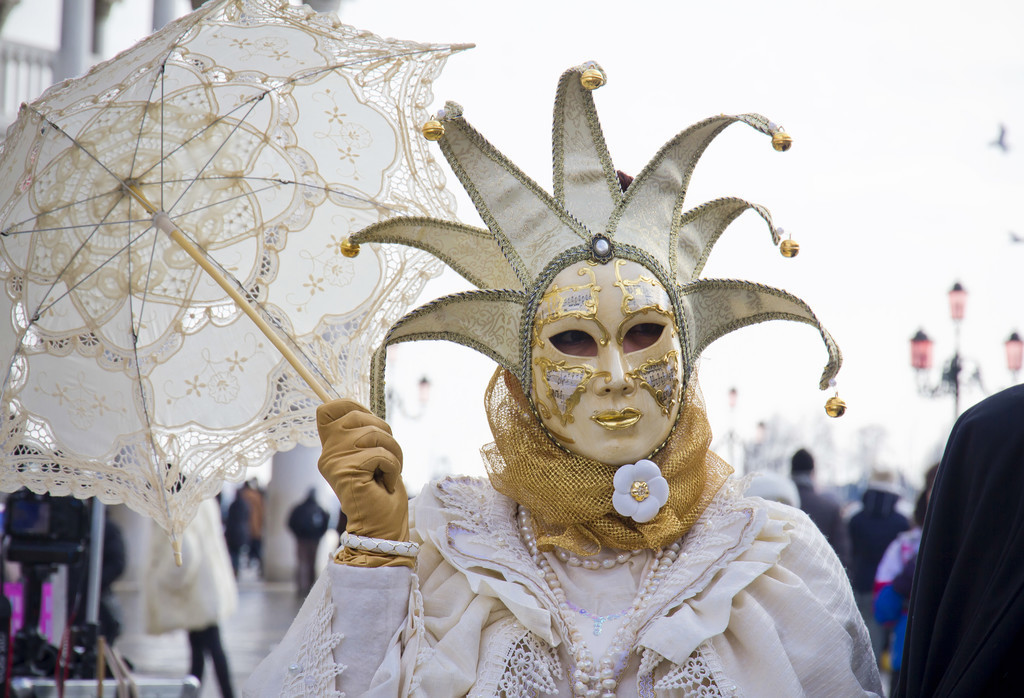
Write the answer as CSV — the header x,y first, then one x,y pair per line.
x,y
162,221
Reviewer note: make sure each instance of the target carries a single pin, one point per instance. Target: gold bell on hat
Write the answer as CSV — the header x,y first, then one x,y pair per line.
x,y
349,249
782,141
591,79
835,406
789,248
433,130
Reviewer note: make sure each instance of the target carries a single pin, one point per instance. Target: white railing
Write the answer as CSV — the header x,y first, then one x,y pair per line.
x,y
25,71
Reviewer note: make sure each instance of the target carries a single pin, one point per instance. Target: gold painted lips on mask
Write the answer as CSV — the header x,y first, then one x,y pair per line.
x,y
618,419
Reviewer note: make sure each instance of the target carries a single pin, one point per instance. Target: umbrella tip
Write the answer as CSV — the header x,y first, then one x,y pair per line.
x,y
176,544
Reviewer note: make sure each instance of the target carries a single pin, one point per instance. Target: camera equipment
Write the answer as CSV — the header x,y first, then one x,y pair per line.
x,y
40,532
42,529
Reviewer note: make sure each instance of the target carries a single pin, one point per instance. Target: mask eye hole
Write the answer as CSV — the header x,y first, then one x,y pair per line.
x,y
642,336
574,343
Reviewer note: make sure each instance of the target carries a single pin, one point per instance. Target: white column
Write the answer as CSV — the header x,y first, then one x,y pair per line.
x,y
325,5
163,12
75,54
293,473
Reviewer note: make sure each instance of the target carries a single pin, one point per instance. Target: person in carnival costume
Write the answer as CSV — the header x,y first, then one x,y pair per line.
x,y
608,553
965,629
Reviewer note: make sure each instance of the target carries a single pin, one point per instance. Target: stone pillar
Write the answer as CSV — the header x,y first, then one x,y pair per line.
x,y
293,473
75,54
163,12
325,5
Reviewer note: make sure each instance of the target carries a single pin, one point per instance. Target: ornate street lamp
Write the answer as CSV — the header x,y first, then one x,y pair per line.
x,y
949,382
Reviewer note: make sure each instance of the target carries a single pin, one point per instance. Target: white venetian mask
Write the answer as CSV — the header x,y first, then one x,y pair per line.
x,y
606,361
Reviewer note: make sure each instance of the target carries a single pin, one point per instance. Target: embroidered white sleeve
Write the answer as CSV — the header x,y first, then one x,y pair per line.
x,y
314,671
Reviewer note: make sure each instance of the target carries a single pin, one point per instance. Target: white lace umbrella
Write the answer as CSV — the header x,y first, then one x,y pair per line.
x,y
260,135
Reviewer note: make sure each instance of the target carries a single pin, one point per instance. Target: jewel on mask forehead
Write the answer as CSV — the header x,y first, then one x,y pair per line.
x,y
601,248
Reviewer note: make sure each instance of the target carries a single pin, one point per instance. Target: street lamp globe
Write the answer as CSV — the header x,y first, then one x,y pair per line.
x,y
921,351
1014,354
957,301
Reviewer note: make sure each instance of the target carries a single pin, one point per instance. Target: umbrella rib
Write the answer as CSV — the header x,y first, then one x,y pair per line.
x,y
78,145
5,233
252,101
142,121
39,312
213,155
52,211
274,181
145,294
40,309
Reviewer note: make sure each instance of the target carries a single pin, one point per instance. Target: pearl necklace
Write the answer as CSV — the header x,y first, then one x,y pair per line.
x,y
593,564
587,679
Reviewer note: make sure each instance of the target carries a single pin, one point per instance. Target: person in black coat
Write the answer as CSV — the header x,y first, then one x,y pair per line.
x,y
871,530
308,523
965,628
823,508
236,531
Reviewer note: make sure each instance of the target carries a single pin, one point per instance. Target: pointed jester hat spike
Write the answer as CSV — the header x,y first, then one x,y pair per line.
x,y
531,236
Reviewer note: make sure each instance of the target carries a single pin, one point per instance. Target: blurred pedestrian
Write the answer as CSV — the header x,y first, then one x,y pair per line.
x,y
308,523
253,496
965,630
823,509
236,531
774,487
195,596
871,531
893,581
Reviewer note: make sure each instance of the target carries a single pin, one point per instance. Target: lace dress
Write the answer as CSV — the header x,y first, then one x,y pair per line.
x,y
753,603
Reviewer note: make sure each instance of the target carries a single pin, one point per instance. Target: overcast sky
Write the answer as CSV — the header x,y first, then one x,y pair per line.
x,y
892,187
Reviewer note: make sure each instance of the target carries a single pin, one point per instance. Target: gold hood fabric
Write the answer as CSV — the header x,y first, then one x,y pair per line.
x,y
570,497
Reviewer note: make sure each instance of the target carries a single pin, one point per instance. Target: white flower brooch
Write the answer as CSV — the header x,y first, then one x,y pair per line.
x,y
640,490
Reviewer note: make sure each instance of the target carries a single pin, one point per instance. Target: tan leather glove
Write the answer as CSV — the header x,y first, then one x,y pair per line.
x,y
363,463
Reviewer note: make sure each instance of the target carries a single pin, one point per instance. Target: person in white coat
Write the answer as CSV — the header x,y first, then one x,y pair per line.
x,y
608,553
196,596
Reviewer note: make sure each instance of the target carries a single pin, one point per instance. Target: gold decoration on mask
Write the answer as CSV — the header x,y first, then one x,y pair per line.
x,y
570,496
548,367
789,248
592,78
630,296
618,419
349,249
666,396
433,130
782,141
835,406
552,307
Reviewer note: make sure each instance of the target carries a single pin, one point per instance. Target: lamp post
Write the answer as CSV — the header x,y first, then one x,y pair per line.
x,y
950,381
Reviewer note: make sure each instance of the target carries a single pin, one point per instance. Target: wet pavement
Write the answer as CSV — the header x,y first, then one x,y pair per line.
x,y
265,610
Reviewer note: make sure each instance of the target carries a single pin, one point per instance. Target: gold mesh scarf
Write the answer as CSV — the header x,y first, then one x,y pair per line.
x,y
570,497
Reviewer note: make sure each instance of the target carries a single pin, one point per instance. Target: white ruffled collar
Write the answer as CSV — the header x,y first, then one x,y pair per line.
x,y
735,540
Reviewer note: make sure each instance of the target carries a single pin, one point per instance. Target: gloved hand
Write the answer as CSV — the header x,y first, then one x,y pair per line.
x,y
363,463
